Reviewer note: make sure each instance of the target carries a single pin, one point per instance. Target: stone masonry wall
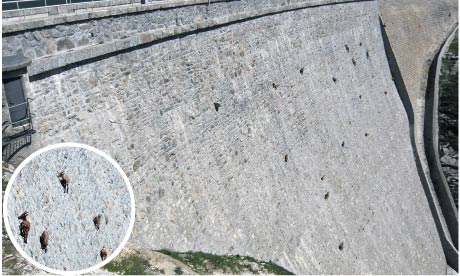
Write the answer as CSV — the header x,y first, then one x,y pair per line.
x,y
51,39
280,137
72,50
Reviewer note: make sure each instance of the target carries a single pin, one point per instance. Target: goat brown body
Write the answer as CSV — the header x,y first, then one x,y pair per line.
x,y
24,226
44,241
97,221
104,252
65,181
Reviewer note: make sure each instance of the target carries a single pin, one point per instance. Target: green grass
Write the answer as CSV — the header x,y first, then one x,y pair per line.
x,y
178,271
453,48
204,263
131,265
4,184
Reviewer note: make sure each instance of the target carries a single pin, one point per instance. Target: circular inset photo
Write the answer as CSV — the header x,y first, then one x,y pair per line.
x,y
69,208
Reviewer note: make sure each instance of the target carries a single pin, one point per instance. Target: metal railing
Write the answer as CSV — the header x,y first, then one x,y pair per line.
x,y
14,146
25,122
9,5
14,140
20,108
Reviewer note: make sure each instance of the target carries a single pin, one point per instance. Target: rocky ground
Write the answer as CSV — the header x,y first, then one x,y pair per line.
x,y
138,261
448,117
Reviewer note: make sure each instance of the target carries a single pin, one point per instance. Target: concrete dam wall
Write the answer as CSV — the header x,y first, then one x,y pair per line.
x,y
263,128
415,42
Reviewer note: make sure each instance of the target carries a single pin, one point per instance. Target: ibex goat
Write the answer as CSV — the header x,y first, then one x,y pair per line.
x,y
24,226
44,241
104,252
65,181
97,221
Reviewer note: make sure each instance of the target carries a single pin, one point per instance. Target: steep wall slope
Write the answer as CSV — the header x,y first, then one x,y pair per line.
x,y
280,137
416,30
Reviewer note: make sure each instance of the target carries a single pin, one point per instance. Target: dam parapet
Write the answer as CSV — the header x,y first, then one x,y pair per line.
x,y
57,41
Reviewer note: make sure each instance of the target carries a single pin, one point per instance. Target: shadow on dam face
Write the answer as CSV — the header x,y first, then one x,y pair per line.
x,y
449,249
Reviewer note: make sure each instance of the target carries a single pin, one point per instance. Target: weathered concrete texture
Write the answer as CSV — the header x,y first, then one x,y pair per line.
x,y
416,31
306,161
96,187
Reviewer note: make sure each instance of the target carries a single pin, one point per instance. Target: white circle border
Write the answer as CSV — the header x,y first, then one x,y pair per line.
x,y
19,248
